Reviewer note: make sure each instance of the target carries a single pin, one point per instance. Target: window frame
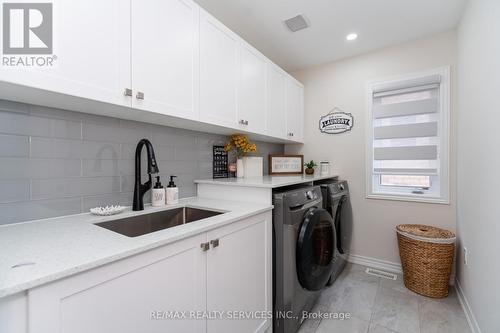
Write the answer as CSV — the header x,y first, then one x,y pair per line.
x,y
373,190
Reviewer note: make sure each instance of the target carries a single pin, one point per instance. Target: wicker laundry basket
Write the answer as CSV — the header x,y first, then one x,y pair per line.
x,y
427,257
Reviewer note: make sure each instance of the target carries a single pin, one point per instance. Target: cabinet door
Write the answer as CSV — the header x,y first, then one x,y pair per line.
x,y
165,66
239,274
91,48
252,93
276,102
219,64
127,296
295,111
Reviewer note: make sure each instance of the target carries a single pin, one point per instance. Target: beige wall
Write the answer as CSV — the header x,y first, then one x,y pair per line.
x,y
478,161
343,84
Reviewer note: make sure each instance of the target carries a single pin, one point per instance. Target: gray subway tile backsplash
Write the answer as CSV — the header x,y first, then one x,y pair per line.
x,y
14,145
39,209
14,190
55,162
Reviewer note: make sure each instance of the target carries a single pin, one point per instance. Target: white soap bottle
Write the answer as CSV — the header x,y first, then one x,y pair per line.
x,y
172,192
158,194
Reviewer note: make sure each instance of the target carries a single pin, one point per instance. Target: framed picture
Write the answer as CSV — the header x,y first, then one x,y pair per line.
x,y
284,164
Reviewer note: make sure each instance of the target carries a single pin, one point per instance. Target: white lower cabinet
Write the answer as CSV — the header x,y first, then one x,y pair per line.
x,y
137,294
122,296
239,277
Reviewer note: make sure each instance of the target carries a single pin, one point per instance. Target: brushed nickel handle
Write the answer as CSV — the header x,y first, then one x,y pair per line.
x,y
127,92
140,95
205,246
214,242
243,122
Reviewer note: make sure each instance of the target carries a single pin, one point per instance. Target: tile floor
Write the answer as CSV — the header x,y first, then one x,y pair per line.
x,y
379,305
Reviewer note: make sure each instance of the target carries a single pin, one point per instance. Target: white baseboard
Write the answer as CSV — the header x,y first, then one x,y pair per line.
x,y
383,265
471,319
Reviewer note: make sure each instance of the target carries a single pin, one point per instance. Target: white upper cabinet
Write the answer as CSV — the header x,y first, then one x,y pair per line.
x,y
165,56
167,62
276,101
295,111
91,47
219,66
252,90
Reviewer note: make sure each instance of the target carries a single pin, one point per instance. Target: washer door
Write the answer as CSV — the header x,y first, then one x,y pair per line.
x,y
315,249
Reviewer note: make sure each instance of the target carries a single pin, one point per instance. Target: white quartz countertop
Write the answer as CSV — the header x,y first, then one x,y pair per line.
x,y
265,181
63,246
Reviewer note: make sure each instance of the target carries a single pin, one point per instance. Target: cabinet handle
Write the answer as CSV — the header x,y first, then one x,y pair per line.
x,y
140,95
214,242
127,92
205,246
243,122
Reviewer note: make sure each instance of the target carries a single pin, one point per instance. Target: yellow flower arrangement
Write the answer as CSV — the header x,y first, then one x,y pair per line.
x,y
241,145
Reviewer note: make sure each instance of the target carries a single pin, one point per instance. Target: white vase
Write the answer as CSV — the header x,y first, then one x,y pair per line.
x,y
240,168
254,166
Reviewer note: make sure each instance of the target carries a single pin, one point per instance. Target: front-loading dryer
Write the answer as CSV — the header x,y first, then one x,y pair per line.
x,y
303,251
337,202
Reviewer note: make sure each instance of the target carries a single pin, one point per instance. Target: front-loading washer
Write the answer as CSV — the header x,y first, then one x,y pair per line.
x,y
303,251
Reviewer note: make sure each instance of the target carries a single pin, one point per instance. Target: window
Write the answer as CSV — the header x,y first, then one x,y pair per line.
x,y
408,135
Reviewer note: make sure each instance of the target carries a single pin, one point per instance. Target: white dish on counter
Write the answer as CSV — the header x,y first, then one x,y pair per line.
x,y
107,211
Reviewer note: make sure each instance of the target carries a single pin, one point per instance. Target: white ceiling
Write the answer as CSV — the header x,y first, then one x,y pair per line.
x,y
378,23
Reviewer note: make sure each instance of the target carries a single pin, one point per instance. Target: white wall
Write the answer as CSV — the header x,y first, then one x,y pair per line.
x,y
479,160
343,84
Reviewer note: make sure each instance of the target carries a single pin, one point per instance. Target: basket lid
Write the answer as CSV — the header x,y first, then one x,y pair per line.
x,y
426,233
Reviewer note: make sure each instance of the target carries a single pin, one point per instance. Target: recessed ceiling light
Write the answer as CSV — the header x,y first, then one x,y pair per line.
x,y
352,36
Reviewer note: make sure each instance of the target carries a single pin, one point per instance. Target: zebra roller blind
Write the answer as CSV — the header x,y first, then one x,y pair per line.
x,y
406,127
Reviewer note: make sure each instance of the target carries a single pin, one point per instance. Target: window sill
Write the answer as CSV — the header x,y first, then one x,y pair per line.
x,y
400,197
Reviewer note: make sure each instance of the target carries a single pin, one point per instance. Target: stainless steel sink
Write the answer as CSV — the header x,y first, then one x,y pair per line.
x,y
147,223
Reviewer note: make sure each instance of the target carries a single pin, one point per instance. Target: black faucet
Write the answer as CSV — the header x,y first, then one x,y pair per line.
x,y
140,189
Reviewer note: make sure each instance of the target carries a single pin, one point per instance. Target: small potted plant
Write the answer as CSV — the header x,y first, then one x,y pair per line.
x,y
310,167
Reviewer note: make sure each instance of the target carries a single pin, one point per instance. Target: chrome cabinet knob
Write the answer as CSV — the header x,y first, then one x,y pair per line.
x,y
214,242
140,95
205,246
127,92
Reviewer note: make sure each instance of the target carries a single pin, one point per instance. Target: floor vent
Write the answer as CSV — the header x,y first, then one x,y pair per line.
x,y
382,274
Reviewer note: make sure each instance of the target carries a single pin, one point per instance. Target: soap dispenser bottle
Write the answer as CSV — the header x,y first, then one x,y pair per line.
x,y
172,192
158,194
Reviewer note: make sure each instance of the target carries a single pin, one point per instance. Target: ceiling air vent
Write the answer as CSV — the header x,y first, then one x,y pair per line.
x,y
296,23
